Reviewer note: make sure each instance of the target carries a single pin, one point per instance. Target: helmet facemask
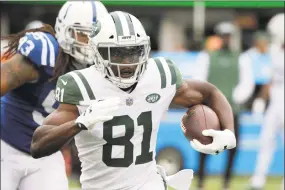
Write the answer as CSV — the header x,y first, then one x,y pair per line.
x,y
77,41
122,64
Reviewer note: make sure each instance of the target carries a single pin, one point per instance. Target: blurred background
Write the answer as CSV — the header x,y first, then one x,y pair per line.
x,y
181,30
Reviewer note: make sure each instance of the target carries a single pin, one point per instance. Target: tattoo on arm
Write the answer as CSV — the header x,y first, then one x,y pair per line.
x,y
16,72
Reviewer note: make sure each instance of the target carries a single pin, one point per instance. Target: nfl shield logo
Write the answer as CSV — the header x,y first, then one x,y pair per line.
x,y
129,101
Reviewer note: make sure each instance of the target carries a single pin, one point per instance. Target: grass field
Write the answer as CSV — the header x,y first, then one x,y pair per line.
x,y
238,183
214,183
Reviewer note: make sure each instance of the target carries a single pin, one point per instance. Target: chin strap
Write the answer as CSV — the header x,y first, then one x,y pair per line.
x,y
75,65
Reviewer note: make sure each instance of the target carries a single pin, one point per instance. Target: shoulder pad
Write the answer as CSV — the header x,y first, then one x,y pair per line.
x,y
73,88
169,72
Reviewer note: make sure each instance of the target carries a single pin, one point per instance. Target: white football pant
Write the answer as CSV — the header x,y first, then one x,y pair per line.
x,y
272,127
20,171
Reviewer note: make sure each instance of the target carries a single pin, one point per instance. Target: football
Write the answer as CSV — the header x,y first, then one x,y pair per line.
x,y
198,118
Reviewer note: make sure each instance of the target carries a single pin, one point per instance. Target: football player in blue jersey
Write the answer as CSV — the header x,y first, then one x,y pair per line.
x,y
37,57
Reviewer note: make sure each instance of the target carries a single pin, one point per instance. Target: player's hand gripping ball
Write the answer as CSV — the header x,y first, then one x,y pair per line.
x,y
201,126
199,118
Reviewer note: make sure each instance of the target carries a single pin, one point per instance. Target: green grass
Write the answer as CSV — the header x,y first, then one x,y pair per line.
x,y
238,183
215,183
73,184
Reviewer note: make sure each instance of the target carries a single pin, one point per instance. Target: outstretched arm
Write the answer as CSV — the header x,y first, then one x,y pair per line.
x,y
193,92
15,72
57,130
245,87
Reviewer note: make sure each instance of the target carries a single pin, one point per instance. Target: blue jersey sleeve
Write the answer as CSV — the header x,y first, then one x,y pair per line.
x,y
40,48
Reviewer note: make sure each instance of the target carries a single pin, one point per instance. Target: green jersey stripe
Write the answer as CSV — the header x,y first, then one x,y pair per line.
x,y
86,84
161,71
80,85
172,71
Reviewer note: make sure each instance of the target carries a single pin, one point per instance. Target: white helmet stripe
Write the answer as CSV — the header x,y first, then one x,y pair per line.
x,y
66,11
124,22
118,24
130,24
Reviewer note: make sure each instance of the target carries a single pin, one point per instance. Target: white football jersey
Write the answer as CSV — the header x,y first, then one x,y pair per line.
x,y
120,153
277,88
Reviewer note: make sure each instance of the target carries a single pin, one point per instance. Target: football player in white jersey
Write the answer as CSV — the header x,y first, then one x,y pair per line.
x,y
113,109
27,92
274,117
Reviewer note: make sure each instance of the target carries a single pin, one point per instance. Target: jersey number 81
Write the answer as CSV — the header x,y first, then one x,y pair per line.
x,y
144,120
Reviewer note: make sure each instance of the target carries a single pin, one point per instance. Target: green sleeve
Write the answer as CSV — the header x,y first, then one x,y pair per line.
x,y
67,90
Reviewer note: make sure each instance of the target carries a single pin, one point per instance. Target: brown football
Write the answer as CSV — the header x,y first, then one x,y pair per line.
x,y
198,118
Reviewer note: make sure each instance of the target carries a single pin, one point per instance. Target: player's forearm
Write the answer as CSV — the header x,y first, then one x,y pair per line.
x,y
48,139
8,81
16,72
218,102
